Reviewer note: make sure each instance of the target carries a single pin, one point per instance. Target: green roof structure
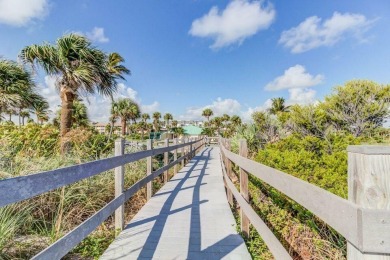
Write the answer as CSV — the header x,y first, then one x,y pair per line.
x,y
192,130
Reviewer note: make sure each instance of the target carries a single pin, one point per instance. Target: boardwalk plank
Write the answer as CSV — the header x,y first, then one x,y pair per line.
x,y
189,218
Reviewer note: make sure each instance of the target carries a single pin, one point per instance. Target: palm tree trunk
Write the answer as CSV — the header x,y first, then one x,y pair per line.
x,y
123,122
67,98
20,110
111,128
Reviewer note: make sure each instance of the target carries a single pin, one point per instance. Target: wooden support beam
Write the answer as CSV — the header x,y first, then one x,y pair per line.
x,y
119,184
149,169
175,156
244,189
228,165
166,158
369,188
183,151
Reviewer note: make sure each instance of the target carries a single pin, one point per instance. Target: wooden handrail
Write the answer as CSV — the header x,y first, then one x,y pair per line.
x,y
24,187
357,224
274,245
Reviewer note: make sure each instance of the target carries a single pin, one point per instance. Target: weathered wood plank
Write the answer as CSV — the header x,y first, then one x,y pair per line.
x,y
244,188
149,169
166,158
119,184
61,247
70,240
272,242
188,218
369,188
175,142
23,187
338,213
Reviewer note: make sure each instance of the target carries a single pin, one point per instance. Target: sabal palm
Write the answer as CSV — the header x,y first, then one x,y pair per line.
x,y
207,113
236,120
115,67
156,120
80,68
16,86
79,115
23,114
145,117
278,105
167,118
125,109
41,110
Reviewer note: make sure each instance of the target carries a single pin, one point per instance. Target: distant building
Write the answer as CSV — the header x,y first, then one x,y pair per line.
x,y
192,131
101,127
182,123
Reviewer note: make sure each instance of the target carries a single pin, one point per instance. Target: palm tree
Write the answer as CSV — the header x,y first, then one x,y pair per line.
x,y
23,114
217,123
124,108
207,113
112,121
177,131
79,68
79,115
17,89
145,117
156,121
41,110
225,118
278,106
115,68
167,117
236,120
134,112
144,125
174,123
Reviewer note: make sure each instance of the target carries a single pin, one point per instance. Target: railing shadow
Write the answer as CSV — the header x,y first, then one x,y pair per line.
x,y
160,220
216,251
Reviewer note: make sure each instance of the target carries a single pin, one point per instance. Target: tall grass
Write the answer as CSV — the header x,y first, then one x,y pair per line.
x,y
12,219
53,214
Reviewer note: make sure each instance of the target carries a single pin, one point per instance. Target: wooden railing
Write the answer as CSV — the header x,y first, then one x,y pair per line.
x,y
24,187
364,219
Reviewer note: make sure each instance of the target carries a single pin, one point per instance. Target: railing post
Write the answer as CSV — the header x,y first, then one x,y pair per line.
x,y
183,151
175,156
166,154
228,165
119,184
368,186
149,169
244,188
191,151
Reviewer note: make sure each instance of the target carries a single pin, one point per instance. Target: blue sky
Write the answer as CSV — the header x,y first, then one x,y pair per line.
x,y
231,56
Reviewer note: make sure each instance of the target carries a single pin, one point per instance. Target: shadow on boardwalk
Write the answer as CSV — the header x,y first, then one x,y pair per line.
x,y
185,233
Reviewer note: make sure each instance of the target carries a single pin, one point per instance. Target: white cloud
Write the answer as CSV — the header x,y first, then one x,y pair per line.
x,y
238,21
313,33
301,96
155,106
21,12
224,106
98,106
294,77
219,107
97,35
247,115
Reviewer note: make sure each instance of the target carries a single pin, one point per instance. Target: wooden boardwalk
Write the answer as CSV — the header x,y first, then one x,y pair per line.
x,y
189,218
